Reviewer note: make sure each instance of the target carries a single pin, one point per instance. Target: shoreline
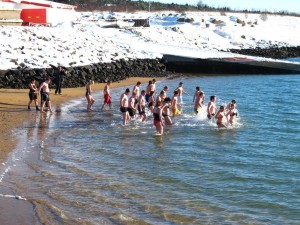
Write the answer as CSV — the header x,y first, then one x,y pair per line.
x,y
13,107
14,115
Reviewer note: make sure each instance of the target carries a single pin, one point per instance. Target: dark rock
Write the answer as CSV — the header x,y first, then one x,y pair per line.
x,y
274,52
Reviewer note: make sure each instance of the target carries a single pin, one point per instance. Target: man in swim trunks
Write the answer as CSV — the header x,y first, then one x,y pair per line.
x,y
45,95
161,97
174,104
124,106
197,92
142,106
33,94
132,105
198,103
136,89
180,91
211,107
106,93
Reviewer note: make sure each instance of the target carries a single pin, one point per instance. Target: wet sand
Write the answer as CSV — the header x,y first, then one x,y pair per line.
x,y
13,115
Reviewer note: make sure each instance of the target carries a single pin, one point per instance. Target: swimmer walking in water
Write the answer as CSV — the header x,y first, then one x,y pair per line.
x,y
220,116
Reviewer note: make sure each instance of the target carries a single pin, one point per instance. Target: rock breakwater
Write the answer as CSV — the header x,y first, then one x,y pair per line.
x,y
273,52
79,75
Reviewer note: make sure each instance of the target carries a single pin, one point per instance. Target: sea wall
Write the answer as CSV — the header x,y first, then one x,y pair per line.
x,y
274,52
79,75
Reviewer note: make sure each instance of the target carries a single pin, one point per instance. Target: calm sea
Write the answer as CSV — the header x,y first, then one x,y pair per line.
x,y
85,168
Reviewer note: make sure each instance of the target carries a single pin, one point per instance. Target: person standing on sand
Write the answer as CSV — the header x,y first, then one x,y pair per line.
x,y
45,94
107,97
211,107
124,106
88,95
180,91
59,73
33,94
142,106
220,116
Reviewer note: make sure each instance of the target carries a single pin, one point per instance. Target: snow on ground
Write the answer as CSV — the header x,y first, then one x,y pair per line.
x,y
210,35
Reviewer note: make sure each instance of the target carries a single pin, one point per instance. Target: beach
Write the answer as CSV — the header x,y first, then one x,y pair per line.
x,y
13,108
13,115
75,167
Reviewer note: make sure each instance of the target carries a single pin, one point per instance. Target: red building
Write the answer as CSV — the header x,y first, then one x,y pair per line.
x,y
41,12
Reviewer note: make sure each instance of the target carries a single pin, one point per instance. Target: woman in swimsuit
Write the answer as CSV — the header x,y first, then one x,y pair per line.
x,y
232,113
220,116
88,95
166,111
157,115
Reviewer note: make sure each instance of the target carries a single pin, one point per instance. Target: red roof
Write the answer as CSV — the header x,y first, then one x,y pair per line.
x,y
43,3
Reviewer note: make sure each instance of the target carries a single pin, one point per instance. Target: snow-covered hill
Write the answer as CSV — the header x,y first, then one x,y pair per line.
x,y
210,34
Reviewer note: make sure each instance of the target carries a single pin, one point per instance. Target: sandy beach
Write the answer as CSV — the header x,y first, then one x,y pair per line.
x,y
13,115
13,108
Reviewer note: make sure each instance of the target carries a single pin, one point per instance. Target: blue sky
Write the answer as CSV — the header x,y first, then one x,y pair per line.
x,y
270,5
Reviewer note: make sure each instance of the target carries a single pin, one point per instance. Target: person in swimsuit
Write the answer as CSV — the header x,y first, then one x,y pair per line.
x,y
233,101
132,105
88,95
106,94
211,107
174,104
148,90
124,106
136,89
231,115
161,97
197,92
45,95
33,94
220,116
157,118
142,106
180,91
198,103
151,101
166,111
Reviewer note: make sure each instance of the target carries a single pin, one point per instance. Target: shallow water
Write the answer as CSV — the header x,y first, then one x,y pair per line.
x,y
91,170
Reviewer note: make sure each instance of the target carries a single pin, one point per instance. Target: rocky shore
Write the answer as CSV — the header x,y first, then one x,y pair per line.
x,y
79,75
273,52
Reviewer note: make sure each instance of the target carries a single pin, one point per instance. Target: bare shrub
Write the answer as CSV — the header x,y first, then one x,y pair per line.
x,y
263,17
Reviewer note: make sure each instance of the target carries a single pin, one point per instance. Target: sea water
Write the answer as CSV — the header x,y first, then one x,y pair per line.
x,y
80,167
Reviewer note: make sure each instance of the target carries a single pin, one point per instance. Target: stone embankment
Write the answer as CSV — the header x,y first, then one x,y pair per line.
x,y
274,52
78,76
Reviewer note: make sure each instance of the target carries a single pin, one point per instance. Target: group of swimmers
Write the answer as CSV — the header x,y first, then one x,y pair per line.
x,y
139,102
134,103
